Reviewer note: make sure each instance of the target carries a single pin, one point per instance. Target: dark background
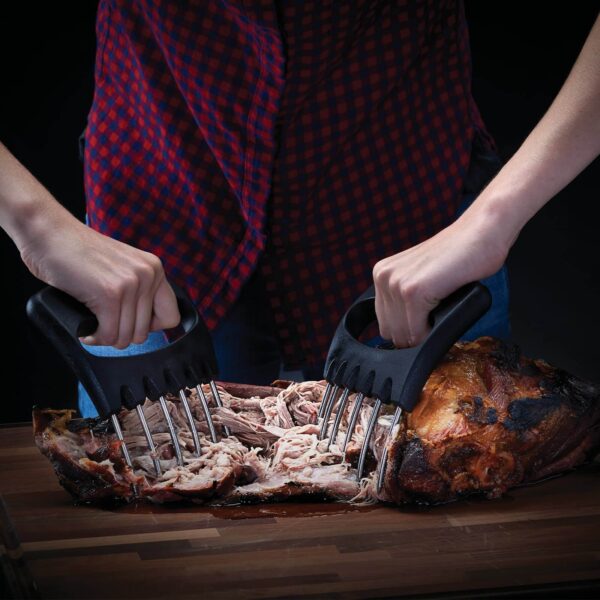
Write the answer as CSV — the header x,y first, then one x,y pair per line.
x,y
522,53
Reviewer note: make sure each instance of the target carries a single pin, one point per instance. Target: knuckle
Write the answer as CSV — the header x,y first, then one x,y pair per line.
x,y
409,289
152,265
381,274
155,264
112,292
145,273
130,281
377,271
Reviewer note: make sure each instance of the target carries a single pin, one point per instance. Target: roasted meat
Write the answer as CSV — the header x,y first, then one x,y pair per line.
x,y
488,419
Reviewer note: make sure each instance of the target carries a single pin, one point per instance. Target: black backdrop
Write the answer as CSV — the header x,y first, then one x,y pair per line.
x,y
521,54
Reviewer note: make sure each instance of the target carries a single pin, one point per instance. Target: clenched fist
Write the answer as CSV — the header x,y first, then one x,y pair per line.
x,y
409,285
124,287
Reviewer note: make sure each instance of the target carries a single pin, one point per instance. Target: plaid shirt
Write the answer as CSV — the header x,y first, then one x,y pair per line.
x,y
307,139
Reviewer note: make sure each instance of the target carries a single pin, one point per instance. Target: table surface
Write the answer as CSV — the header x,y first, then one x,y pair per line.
x,y
545,537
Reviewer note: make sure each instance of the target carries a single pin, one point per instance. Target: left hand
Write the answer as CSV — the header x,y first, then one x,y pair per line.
x,y
409,285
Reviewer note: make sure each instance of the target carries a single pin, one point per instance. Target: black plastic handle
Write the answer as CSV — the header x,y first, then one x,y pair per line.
x,y
116,381
398,375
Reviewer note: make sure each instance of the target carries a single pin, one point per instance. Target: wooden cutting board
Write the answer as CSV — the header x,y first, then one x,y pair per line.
x,y
544,538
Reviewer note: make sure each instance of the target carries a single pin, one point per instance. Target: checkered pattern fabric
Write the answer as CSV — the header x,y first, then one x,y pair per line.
x,y
307,139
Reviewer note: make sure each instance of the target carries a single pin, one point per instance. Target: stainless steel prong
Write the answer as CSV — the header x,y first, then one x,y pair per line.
x,y
172,432
384,456
365,447
338,417
353,418
219,402
124,450
325,400
190,420
327,411
209,421
149,439
119,432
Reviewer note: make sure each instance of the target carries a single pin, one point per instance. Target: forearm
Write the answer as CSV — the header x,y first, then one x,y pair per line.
x,y
124,287
563,143
25,205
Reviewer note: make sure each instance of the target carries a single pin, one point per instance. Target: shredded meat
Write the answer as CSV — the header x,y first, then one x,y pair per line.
x,y
488,419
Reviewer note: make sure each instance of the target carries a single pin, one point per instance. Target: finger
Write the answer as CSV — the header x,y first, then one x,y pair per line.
x,y
398,322
384,316
394,324
143,316
416,318
151,276
127,315
395,311
108,315
417,325
165,310
382,290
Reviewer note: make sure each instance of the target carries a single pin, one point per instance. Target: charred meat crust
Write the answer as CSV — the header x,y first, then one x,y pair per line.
x,y
514,420
91,476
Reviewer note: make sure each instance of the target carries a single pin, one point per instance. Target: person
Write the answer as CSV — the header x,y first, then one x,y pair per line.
x,y
272,157
271,153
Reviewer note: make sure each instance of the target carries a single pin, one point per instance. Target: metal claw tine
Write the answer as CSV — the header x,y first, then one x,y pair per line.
x,y
327,403
172,432
209,421
190,420
327,411
124,450
353,418
384,457
369,433
325,400
338,417
149,439
119,432
219,402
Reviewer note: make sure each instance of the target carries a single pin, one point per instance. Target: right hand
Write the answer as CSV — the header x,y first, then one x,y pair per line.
x,y
410,284
124,287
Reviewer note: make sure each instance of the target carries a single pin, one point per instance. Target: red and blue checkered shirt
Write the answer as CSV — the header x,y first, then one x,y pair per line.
x,y
308,139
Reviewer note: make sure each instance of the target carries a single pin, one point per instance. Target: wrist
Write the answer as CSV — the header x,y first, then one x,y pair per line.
x,y
19,216
34,219
496,216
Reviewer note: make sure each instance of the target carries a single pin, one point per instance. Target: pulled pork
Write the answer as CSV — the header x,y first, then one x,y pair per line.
x,y
488,419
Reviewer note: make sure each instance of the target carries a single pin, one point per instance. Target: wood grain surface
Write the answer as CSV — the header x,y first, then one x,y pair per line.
x,y
538,541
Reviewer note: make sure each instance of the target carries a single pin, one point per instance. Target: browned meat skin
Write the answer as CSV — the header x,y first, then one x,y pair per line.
x,y
91,472
488,420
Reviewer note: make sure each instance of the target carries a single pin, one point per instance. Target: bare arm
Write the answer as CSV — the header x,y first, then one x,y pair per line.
x,y
410,284
124,287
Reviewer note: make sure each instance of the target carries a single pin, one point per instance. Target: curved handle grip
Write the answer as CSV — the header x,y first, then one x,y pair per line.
x,y
51,304
126,380
462,309
398,375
